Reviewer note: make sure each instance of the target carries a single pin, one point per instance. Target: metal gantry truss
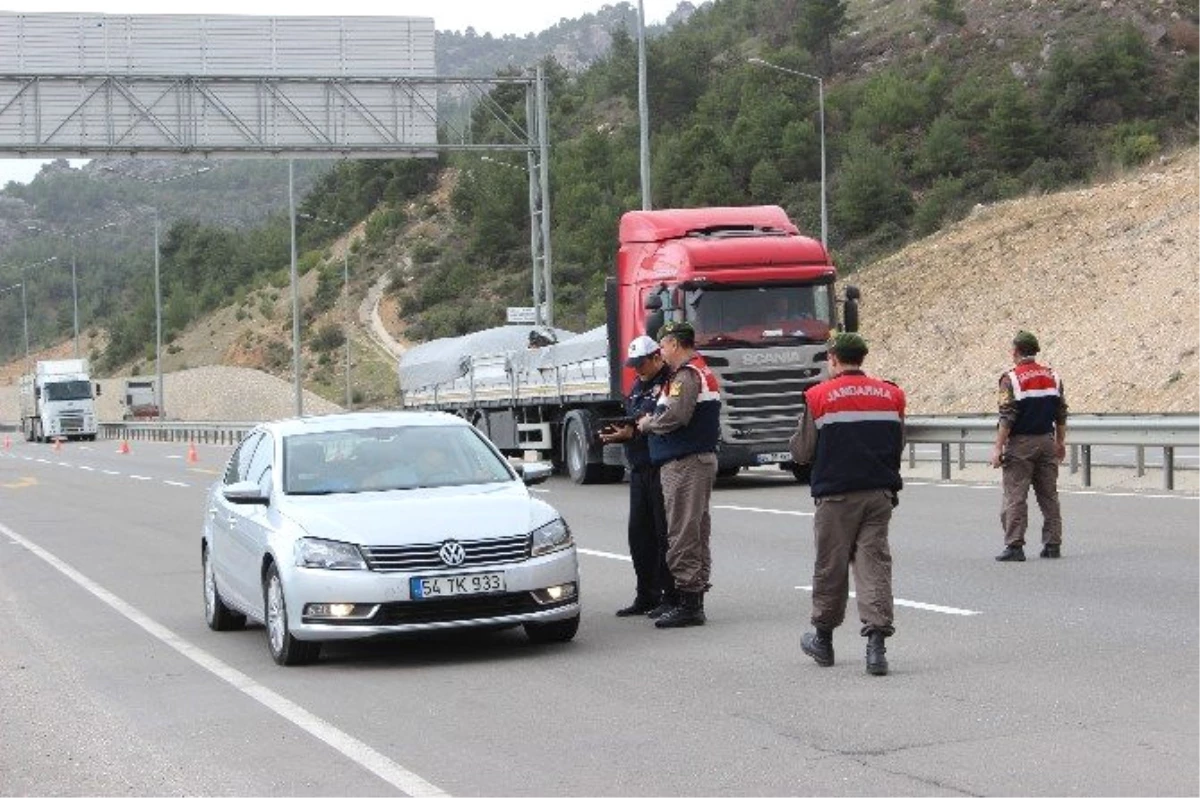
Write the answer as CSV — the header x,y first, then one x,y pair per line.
x,y
277,116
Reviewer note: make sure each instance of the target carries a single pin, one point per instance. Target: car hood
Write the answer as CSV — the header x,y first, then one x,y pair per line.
x,y
428,515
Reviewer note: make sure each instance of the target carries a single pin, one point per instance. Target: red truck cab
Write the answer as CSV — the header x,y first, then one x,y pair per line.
x,y
761,298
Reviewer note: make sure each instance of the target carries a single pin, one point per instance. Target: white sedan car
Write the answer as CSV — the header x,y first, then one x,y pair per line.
x,y
358,525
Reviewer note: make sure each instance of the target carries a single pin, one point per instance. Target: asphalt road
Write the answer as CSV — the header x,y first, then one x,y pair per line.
x,y
1072,677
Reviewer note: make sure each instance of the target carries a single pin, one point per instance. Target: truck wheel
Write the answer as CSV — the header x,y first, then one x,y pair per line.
x,y
728,472
576,456
37,432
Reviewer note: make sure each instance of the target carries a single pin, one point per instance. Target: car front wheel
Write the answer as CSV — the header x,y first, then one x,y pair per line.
x,y
285,649
218,615
552,632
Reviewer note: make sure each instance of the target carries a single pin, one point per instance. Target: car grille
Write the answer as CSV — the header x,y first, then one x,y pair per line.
x,y
467,608
424,556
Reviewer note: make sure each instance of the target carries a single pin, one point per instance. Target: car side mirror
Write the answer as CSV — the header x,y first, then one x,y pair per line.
x,y
245,493
534,473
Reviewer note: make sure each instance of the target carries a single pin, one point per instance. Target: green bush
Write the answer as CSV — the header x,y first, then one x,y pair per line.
x,y
328,337
943,202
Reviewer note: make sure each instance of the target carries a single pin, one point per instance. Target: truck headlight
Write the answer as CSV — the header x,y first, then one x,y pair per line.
x,y
330,554
551,537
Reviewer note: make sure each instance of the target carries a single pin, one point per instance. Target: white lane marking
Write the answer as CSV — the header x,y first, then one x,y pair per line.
x,y
352,748
86,468
176,484
42,460
174,457
539,490
759,510
140,477
916,605
111,473
606,555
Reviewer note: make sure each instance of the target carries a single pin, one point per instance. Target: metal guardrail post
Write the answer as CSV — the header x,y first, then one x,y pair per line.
x,y
962,457
1074,459
1087,465
912,455
1169,467
1139,456
945,461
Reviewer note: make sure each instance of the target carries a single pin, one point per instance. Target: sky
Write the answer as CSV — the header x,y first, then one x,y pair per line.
x,y
486,16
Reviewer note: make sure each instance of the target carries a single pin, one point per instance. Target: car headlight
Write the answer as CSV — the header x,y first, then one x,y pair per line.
x,y
331,554
551,537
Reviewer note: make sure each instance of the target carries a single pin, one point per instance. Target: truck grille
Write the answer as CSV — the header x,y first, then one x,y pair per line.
x,y
424,556
763,406
71,421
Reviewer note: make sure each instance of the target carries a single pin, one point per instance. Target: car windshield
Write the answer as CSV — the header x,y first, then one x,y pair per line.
x,y
67,391
388,458
760,316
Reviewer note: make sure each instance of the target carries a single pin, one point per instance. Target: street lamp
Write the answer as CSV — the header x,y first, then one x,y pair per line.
x,y
346,300
24,315
821,106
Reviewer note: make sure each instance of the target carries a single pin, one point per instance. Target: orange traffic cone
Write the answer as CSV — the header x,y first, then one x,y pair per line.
x,y
192,457
58,444
123,448
7,442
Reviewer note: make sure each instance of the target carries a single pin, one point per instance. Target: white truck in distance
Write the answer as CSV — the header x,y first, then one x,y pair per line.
x,y
57,402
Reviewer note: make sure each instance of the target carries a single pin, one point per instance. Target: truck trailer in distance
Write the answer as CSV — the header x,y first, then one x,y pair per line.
x,y
140,400
57,402
760,296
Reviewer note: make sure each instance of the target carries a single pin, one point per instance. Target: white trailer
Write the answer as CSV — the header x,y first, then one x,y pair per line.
x,y
57,402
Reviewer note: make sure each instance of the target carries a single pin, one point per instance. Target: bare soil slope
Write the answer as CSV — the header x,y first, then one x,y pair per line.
x,y
1107,277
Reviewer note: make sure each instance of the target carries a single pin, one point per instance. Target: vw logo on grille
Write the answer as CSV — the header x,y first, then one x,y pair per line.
x,y
452,553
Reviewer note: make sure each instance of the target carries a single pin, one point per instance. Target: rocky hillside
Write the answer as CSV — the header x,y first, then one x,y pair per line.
x,y
1106,276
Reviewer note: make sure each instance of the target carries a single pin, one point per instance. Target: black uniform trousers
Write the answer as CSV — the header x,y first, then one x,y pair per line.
x,y
648,531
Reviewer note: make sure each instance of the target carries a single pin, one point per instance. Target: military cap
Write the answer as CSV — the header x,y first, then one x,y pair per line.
x,y
1026,343
848,346
680,330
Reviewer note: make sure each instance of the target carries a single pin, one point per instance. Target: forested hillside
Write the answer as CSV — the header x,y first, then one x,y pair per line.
x,y
931,108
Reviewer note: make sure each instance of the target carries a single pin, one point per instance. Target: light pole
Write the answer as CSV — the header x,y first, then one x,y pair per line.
x,y
24,315
158,359
297,378
24,305
345,299
821,106
643,109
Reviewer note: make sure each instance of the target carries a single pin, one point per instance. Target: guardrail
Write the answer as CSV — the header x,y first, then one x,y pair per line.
x,y
1168,432
219,432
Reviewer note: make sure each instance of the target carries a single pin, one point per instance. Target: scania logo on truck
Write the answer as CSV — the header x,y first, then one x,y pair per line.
x,y
775,357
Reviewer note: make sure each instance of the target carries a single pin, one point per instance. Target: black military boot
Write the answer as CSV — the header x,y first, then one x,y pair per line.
x,y
668,601
688,612
1011,554
818,645
640,606
1051,551
876,651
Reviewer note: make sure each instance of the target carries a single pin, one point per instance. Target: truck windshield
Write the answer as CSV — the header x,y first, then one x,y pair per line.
x,y
67,391
760,315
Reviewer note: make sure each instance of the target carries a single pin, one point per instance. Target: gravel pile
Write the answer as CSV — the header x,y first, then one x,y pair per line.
x,y
207,393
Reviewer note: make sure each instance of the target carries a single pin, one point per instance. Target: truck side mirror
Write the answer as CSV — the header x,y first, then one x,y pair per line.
x,y
37,392
655,318
97,389
850,309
